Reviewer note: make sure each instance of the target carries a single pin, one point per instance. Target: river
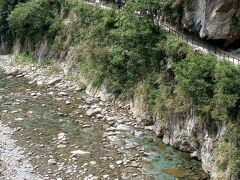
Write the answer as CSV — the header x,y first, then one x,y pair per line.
x,y
57,140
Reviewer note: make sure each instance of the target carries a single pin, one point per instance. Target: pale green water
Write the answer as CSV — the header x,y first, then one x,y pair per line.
x,y
41,126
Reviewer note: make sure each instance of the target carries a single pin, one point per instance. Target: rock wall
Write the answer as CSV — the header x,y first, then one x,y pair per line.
x,y
212,18
195,136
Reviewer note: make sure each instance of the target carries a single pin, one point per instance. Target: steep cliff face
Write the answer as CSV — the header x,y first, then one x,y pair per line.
x,y
212,19
192,135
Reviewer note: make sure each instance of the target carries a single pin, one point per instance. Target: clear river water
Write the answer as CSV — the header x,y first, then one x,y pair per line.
x,y
43,116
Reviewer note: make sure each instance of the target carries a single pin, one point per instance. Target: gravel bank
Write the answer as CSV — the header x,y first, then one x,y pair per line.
x,y
13,164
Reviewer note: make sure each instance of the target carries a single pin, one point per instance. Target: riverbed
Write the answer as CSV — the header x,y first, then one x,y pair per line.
x,y
57,132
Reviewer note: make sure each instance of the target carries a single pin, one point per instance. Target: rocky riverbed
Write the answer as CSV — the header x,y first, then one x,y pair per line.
x,y
51,129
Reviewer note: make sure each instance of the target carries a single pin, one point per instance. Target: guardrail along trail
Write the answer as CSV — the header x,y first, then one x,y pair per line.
x,y
192,41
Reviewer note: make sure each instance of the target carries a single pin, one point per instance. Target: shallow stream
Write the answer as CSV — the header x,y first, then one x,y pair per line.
x,y
50,125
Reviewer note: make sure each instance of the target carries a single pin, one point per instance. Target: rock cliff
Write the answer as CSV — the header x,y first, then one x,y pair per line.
x,y
192,135
212,19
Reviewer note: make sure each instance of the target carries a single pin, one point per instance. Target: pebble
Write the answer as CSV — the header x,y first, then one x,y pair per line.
x,y
19,119
52,162
106,176
79,153
93,162
119,162
68,102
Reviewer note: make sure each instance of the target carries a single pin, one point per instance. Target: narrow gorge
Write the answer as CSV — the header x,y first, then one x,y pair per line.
x,y
90,91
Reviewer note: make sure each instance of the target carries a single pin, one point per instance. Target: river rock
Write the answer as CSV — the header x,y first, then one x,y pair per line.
x,y
54,81
52,162
62,94
93,112
19,119
150,128
119,162
62,136
12,71
93,162
68,102
60,146
39,83
194,154
91,100
122,127
106,176
79,153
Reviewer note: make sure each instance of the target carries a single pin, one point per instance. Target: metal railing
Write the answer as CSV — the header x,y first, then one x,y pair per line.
x,y
191,40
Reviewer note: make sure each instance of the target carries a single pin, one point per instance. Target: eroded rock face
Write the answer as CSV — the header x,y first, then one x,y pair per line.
x,y
197,137
212,18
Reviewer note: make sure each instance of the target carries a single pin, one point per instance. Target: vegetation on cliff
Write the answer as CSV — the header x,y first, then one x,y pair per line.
x,y
123,50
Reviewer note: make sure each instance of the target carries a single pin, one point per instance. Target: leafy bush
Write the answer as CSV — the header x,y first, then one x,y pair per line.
x,y
227,153
226,99
33,17
195,77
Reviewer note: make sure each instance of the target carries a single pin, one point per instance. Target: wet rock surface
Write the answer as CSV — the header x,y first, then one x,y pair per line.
x,y
61,133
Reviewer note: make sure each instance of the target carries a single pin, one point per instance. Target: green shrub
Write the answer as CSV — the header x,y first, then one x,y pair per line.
x,y
195,77
227,153
226,99
33,17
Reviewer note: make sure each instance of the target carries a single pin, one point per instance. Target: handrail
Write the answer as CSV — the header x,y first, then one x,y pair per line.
x,y
185,38
199,43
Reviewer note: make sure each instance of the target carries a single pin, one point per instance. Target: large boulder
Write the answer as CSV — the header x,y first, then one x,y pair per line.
x,y
212,19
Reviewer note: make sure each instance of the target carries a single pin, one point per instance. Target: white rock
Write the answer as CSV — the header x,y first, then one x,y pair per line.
x,y
151,128
79,152
62,136
39,83
122,127
33,94
105,176
62,94
60,146
52,162
99,116
19,119
93,162
93,112
50,93
68,102
119,162
194,154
